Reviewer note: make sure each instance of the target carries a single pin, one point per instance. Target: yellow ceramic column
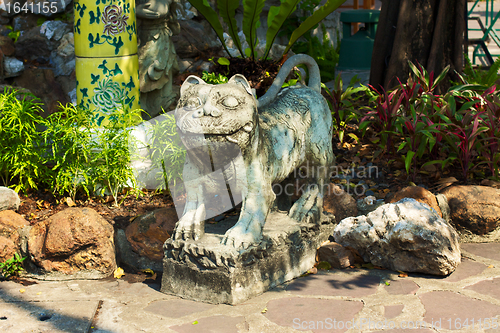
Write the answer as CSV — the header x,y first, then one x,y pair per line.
x,y
107,67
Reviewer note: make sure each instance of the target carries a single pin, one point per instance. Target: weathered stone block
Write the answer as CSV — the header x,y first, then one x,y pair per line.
x,y
208,271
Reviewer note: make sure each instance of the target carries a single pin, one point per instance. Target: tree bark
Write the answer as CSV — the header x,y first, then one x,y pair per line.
x,y
428,32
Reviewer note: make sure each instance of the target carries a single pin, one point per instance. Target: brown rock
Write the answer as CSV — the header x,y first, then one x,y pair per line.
x,y
32,40
337,255
475,208
7,46
10,222
148,232
73,240
42,83
8,248
418,193
339,203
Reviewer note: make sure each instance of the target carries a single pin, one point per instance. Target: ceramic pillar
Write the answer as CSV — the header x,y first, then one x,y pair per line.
x,y
107,67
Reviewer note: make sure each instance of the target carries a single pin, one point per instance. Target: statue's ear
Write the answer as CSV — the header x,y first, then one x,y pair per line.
x,y
189,81
241,80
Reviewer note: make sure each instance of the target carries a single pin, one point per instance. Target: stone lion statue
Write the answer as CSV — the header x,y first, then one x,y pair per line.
x,y
255,145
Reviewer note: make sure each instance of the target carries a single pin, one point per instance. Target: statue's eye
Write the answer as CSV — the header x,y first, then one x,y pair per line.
x,y
193,103
230,102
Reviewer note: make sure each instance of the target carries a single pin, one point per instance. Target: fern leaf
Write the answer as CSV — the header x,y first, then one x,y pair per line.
x,y
276,19
211,16
251,21
312,20
492,75
227,10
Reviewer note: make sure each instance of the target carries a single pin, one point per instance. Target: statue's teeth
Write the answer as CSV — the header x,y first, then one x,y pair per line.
x,y
231,139
248,127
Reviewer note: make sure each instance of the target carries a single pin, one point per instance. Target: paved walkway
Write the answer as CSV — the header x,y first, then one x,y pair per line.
x,y
353,300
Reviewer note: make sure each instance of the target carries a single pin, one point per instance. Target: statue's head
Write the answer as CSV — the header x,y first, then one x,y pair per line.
x,y
224,115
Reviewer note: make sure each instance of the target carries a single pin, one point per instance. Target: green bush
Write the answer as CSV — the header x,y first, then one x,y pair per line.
x,y
12,266
168,153
70,139
22,158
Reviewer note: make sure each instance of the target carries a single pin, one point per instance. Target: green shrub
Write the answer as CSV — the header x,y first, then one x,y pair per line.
x,y
168,153
22,157
69,135
113,148
13,266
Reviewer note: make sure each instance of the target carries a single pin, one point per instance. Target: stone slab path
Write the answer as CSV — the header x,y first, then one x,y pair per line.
x,y
352,300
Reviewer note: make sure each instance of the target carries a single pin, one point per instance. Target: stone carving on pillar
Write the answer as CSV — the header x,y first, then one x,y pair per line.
x,y
156,23
250,149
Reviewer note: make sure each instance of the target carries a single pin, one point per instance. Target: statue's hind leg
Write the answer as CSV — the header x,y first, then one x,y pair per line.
x,y
309,207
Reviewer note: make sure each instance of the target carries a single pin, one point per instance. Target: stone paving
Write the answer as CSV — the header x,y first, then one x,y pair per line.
x,y
351,300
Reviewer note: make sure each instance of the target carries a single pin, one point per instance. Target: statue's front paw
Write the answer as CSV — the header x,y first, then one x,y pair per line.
x,y
190,226
240,237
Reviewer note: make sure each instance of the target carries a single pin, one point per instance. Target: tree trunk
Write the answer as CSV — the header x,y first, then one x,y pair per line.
x,y
430,32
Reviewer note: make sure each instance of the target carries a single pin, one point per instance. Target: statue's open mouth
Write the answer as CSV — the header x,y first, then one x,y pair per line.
x,y
208,125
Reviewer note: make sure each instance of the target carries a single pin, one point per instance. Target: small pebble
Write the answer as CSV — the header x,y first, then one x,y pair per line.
x,y
370,200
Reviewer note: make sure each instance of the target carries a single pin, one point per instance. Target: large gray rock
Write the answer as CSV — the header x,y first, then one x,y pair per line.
x,y
9,199
406,236
63,58
12,67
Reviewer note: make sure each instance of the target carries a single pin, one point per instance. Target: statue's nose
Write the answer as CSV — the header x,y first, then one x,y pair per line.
x,y
210,110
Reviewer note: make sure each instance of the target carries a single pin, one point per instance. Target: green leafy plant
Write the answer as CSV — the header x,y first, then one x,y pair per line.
x,y
343,105
69,136
13,34
168,153
418,139
113,149
479,76
462,137
12,266
252,10
213,78
22,153
325,55
384,117
491,138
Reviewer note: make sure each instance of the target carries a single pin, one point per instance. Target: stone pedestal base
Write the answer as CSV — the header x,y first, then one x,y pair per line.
x,y
210,272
